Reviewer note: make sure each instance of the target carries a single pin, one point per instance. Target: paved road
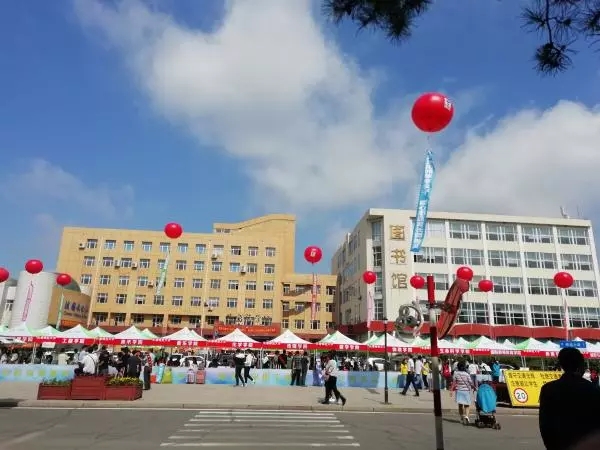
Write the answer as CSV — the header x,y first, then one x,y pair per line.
x,y
100,429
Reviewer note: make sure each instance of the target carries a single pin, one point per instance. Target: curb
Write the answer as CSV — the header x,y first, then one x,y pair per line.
x,y
90,404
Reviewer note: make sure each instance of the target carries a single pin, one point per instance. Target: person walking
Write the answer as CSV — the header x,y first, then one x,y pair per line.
x,y
305,365
248,363
331,374
296,369
569,405
410,377
239,362
462,385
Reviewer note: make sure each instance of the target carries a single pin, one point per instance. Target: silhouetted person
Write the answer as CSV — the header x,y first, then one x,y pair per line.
x,y
569,405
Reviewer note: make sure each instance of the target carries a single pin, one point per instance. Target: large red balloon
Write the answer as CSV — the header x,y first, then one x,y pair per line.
x,y
34,266
63,279
173,230
369,277
417,281
432,112
313,254
563,280
4,274
464,273
486,285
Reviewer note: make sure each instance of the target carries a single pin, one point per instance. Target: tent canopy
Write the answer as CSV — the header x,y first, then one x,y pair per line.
x,y
131,333
185,334
391,341
287,337
235,336
21,330
78,332
100,333
149,334
338,338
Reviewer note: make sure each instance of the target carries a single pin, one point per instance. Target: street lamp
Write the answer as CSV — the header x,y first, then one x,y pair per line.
x,y
385,363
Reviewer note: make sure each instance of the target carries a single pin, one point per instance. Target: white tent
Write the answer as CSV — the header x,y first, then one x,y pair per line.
x,y
340,341
22,332
149,334
133,336
236,338
371,340
49,332
393,343
185,336
100,333
484,344
445,347
287,337
77,332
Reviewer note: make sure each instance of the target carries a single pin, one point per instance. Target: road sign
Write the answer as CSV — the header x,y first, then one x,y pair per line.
x,y
572,344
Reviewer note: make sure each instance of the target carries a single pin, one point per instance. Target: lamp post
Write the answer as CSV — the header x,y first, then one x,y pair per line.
x,y
385,363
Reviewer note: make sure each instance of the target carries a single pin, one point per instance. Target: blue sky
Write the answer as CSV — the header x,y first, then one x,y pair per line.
x,y
126,114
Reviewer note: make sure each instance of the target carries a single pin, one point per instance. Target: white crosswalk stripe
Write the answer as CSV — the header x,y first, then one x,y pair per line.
x,y
262,429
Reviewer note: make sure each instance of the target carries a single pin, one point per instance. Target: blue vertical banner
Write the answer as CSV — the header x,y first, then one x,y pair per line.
x,y
418,233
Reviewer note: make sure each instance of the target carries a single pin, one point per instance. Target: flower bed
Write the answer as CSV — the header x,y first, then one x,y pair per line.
x,y
54,390
88,387
125,389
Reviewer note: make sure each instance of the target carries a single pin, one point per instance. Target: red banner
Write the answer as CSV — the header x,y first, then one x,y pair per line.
x,y
313,304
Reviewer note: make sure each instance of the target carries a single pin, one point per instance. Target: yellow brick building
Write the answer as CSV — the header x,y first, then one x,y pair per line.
x,y
240,275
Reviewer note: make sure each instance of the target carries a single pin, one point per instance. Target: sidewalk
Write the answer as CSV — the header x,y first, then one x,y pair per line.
x,y
23,394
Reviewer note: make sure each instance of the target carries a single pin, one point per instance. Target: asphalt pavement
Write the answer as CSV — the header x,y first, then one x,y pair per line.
x,y
140,429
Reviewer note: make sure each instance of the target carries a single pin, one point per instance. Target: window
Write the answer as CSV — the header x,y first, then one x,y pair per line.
x,y
250,285
473,312
539,260
249,320
233,285
286,289
89,261
235,267
541,286
164,247
269,269
201,249
250,303
583,288
110,244
465,230
86,279
213,302
468,256
102,297
126,262
266,321
108,261
121,299
231,320
270,251
159,300
299,306
195,301
285,306
128,246
537,235
157,282
546,316
508,285
124,280
501,232
180,264
179,283
104,279
299,324
232,302
197,283
161,264
142,281
285,323
140,299
137,318
218,250
581,317
194,321
440,279
252,251
177,300
147,246
377,230
198,266
572,235
435,229
119,318
251,267
157,320
315,324
504,258
268,286
329,307
576,262
217,266
91,243
507,314
267,303
215,284
431,255
330,290
144,263
182,248
236,250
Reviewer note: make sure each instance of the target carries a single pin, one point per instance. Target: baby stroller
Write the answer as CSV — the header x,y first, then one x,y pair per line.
x,y
485,404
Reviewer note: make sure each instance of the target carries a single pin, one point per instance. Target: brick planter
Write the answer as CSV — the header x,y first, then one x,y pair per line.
x,y
88,388
54,392
124,393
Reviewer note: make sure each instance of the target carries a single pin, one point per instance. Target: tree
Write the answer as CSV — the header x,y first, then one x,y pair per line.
x,y
561,23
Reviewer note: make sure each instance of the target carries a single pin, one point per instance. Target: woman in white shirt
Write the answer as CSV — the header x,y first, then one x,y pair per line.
x,y
331,374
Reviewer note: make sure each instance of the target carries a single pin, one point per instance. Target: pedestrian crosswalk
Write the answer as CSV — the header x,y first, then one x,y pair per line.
x,y
262,429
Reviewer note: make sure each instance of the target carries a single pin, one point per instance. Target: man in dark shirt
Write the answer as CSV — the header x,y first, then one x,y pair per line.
x,y
103,361
296,369
134,365
305,364
568,406
239,359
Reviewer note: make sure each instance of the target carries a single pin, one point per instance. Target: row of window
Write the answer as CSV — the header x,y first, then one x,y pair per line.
x,y
180,265
515,285
165,247
504,258
178,300
301,306
179,283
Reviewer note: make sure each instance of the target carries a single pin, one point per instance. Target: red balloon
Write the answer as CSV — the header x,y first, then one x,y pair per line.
x,y
313,254
34,266
173,230
464,273
63,279
486,285
432,112
417,281
563,280
4,274
369,277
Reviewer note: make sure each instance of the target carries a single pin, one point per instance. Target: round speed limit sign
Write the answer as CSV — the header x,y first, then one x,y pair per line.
x,y
520,395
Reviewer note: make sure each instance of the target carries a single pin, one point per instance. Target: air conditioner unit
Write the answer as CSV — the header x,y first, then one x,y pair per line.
x,y
117,265
81,246
214,256
134,265
150,284
243,269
